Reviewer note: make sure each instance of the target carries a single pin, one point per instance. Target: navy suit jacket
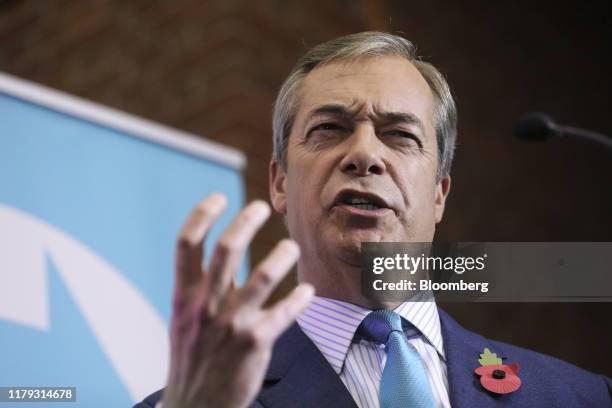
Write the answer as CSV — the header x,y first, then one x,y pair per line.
x,y
299,376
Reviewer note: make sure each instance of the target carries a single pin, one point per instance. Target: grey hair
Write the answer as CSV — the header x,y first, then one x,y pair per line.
x,y
353,47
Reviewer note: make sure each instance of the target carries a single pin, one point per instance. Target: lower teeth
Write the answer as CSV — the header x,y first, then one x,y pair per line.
x,y
368,207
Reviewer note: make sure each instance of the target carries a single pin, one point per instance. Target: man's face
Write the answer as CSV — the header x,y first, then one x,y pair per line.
x,y
361,159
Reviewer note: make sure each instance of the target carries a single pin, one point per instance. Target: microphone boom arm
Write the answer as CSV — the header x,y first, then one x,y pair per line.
x,y
594,137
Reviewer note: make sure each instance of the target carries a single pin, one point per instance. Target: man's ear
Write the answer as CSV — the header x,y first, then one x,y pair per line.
x,y
278,187
442,190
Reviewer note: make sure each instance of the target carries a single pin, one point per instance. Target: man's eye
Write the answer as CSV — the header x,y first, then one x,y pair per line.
x,y
400,133
325,128
407,137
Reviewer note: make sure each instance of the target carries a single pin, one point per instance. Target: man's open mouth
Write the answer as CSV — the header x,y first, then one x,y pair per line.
x,y
362,201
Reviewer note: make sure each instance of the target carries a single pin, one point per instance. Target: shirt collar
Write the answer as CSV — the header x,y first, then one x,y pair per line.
x,y
331,325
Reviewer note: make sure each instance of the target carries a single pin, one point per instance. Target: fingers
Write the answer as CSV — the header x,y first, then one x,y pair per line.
x,y
231,247
269,273
189,251
278,318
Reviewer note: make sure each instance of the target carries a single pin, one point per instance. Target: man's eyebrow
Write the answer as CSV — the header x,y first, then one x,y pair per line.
x,y
399,117
349,112
336,110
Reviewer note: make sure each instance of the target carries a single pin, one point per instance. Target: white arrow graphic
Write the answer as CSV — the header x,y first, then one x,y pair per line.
x,y
129,330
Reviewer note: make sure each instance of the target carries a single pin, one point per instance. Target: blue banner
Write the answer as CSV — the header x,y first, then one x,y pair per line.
x,y
88,220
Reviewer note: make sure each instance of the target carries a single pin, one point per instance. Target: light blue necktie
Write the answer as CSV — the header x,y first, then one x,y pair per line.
x,y
403,383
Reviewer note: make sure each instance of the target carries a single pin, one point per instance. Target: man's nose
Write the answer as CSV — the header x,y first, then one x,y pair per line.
x,y
363,154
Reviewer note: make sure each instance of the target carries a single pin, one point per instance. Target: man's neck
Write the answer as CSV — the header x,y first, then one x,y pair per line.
x,y
340,281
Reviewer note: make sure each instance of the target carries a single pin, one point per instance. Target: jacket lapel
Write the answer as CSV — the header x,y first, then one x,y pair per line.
x,y
299,376
463,349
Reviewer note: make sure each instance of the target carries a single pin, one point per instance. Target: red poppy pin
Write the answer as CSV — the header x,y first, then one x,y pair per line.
x,y
495,376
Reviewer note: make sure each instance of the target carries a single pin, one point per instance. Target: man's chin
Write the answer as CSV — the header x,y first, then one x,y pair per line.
x,y
347,246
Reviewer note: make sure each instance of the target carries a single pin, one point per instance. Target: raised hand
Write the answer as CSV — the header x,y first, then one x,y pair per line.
x,y
221,336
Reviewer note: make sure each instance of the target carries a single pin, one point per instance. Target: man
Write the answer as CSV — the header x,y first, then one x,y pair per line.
x,y
363,142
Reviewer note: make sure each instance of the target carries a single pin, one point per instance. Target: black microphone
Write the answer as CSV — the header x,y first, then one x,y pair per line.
x,y
536,126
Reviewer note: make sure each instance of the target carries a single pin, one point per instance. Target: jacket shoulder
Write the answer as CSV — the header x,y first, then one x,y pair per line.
x,y
151,400
546,380
557,376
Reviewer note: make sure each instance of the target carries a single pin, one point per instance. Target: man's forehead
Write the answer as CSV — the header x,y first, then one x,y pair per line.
x,y
370,85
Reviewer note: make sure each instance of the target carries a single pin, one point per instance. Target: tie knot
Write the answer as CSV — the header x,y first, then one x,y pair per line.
x,y
379,324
